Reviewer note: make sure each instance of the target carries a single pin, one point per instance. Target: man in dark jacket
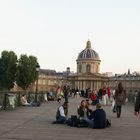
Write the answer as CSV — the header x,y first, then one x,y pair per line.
x,y
99,117
61,114
137,104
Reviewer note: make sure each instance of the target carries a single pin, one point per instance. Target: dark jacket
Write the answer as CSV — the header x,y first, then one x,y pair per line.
x,y
58,115
137,103
120,96
83,111
99,118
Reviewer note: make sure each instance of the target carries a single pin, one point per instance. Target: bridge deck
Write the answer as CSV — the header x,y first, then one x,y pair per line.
x,y
34,123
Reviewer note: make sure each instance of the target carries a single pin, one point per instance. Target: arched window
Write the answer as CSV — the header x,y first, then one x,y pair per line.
x,y
88,68
80,68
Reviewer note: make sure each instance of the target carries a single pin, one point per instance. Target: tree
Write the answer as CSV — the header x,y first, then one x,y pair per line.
x,y
8,66
26,71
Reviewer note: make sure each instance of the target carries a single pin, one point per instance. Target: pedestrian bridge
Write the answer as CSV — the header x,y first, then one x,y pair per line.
x,y
34,123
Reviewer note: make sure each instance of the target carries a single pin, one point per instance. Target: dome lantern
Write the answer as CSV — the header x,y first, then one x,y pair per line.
x,y
88,45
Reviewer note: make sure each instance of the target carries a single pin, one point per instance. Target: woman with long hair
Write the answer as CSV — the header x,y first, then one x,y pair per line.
x,y
120,96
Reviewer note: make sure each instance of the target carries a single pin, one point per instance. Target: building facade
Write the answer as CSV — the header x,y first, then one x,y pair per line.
x,y
88,68
48,80
130,82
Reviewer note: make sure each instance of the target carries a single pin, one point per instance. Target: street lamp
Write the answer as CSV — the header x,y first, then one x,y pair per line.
x,y
37,71
116,80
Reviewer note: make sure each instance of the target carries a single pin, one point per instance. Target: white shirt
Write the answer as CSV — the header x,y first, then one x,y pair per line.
x,y
61,110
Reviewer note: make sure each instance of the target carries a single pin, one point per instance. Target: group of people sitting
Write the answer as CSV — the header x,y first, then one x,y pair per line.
x,y
86,116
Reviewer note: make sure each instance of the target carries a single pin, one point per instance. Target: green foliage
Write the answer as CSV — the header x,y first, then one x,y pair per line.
x,y
26,71
8,66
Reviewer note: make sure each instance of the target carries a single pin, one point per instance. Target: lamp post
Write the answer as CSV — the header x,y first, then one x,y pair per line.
x,y
116,80
37,71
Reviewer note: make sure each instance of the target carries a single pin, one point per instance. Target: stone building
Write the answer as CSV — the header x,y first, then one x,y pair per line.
x,y
130,82
88,70
48,80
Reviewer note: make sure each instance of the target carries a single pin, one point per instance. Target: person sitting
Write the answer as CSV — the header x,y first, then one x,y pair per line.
x,y
61,114
98,118
24,102
84,111
50,96
88,107
94,98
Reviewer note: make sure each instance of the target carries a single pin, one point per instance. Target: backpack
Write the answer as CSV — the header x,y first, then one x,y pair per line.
x,y
82,123
73,121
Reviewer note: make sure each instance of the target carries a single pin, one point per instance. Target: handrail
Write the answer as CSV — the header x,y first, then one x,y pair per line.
x,y
10,99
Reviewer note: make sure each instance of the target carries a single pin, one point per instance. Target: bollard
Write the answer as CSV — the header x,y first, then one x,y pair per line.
x,y
18,99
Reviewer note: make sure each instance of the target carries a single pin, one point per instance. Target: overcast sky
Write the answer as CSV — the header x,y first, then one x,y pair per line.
x,y
55,31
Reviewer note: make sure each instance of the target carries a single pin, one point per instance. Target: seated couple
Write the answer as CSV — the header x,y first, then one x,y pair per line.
x,y
94,119
24,101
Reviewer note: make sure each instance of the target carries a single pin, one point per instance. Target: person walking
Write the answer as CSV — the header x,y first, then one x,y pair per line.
x,y
120,96
105,95
58,91
66,89
137,104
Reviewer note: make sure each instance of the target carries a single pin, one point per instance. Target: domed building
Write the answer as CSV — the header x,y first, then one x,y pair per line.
x,y
88,68
88,60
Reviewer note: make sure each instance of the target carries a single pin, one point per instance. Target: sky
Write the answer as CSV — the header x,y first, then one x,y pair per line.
x,y
56,31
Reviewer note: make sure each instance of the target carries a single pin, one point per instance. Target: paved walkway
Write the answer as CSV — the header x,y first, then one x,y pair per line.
x,y
34,123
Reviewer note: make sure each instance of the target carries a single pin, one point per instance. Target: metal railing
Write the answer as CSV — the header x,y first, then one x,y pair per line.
x,y
11,100
131,98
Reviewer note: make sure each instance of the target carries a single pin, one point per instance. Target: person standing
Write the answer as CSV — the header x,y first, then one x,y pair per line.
x,y
120,96
58,91
66,89
137,104
100,94
105,95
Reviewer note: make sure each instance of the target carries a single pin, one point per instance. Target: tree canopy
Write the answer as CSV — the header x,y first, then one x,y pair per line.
x,y
26,71
8,67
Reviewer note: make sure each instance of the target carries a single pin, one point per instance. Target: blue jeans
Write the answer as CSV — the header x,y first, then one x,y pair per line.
x,y
61,120
90,122
94,102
